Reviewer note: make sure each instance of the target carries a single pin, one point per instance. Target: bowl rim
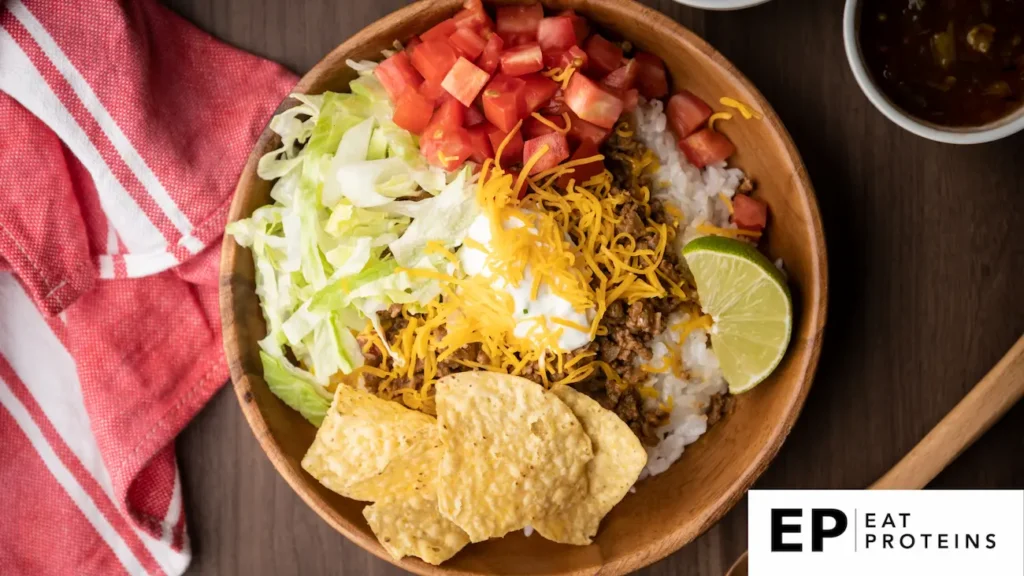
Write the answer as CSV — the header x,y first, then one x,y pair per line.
x,y
815,302
722,5
1001,128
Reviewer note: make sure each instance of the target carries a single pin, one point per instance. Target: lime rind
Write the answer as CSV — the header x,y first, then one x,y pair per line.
x,y
750,303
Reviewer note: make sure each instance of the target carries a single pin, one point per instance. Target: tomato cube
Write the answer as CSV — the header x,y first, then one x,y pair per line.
x,y
522,60
686,113
537,92
412,43
580,25
474,116
574,56
534,128
397,75
583,172
749,213
706,147
630,99
413,111
581,131
432,91
592,103
513,150
519,20
651,78
556,105
440,32
503,101
450,116
556,34
474,18
513,40
433,59
623,77
464,81
480,144
491,55
468,42
557,151
603,56
449,151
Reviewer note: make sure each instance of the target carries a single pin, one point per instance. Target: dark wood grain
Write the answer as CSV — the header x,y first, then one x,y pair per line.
x,y
926,261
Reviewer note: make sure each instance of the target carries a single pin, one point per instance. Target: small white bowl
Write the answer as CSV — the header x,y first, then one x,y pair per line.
x,y
721,4
1010,124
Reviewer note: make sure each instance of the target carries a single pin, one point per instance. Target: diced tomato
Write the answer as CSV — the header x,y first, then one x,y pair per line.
x,y
433,59
592,103
397,75
533,128
473,17
513,150
513,40
558,150
474,116
432,91
503,101
706,147
582,131
412,43
749,213
556,34
538,91
413,111
519,20
468,42
583,172
686,113
522,60
556,105
630,100
491,56
440,32
603,56
480,144
449,116
465,81
449,151
580,25
623,77
651,78
574,56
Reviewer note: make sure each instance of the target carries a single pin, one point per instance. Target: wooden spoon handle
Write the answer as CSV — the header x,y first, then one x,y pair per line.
x,y
985,404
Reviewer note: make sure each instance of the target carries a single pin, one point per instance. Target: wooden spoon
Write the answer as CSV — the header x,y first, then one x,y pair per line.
x,y
986,403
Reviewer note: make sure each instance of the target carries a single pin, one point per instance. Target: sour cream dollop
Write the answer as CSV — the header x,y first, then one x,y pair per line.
x,y
528,311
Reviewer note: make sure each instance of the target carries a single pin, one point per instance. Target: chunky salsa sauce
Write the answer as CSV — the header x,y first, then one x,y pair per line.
x,y
951,62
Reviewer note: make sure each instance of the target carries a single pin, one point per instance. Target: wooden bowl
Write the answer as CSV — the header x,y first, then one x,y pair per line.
x,y
669,510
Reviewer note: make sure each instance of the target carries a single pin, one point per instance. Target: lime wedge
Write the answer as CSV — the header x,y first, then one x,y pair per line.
x,y
747,297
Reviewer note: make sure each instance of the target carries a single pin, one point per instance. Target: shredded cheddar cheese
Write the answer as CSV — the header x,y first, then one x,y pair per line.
x,y
726,200
552,125
746,111
565,239
718,116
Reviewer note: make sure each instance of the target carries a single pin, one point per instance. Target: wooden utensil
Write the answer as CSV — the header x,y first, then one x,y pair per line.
x,y
668,510
983,406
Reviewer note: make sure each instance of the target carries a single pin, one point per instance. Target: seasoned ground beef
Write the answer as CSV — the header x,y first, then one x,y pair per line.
x,y
721,406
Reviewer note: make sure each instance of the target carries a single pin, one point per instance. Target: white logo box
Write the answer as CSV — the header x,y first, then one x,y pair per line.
x,y
927,532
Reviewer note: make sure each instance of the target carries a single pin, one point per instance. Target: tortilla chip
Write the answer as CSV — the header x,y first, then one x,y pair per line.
x,y
362,434
411,525
513,453
618,459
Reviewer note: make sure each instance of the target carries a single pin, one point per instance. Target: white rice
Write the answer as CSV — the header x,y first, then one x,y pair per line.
x,y
695,193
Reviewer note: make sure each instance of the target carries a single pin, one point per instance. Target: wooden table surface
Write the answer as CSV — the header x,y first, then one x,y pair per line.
x,y
926,253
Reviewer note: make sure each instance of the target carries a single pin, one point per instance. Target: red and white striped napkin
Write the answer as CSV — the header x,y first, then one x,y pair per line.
x,y
122,133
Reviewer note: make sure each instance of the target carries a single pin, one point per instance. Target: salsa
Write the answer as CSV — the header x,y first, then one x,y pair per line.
x,y
951,62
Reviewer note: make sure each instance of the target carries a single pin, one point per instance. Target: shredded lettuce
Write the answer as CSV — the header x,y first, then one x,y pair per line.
x,y
329,252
